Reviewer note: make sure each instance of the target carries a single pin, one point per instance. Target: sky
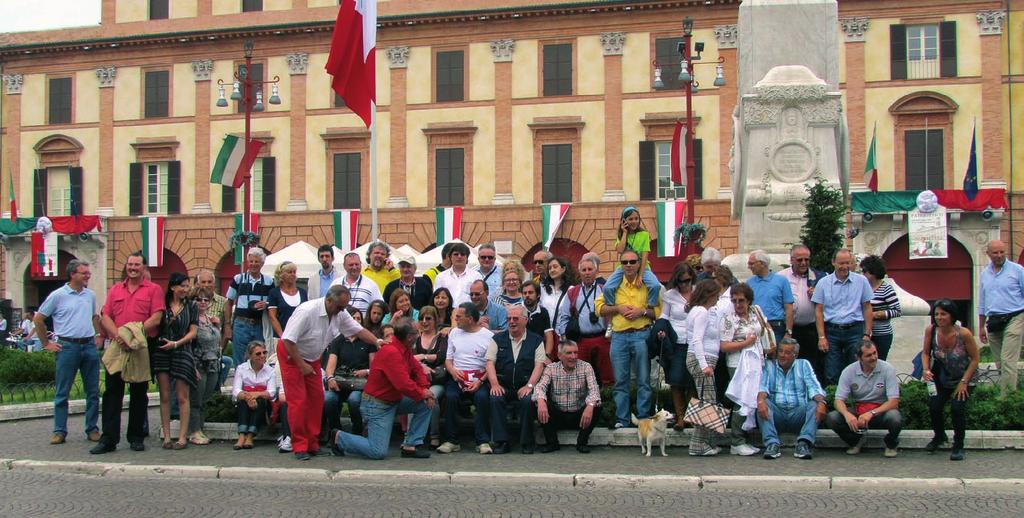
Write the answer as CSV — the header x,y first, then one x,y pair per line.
x,y
34,15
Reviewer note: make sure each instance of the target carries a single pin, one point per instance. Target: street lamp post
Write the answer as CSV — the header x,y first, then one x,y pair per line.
x,y
249,94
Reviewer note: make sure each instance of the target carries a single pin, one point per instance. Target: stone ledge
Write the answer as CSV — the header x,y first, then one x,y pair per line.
x,y
393,477
518,480
613,481
873,483
64,467
40,410
132,471
745,482
290,474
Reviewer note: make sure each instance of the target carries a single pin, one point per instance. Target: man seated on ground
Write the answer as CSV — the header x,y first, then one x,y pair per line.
x,y
515,361
492,316
790,400
466,362
572,388
397,385
872,385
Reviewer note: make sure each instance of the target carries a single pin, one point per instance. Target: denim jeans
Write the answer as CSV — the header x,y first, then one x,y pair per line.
x,y
650,280
800,419
250,420
380,420
226,363
629,352
71,359
481,421
842,349
332,409
435,413
242,334
525,410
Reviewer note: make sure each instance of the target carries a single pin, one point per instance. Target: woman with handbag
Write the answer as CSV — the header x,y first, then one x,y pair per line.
x,y
700,361
950,361
673,356
741,329
348,365
431,349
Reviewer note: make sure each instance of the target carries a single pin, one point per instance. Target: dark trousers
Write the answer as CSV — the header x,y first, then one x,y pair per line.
x,y
936,408
890,420
525,410
113,401
568,420
779,328
251,420
481,420
807,337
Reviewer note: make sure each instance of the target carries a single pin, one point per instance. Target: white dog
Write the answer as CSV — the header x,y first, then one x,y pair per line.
x,y
652,429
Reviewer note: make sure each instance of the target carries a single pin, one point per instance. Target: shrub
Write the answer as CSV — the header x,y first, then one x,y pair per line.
x,y
22,367
822,231
220,409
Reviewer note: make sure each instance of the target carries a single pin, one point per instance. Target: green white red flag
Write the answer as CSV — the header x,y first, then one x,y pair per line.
x,y
670,215
14,202
449,224
552,216
153,240
870,168
234,161
346,229
254,227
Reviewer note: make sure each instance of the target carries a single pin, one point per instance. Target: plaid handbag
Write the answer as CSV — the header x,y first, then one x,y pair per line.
x,y
712,416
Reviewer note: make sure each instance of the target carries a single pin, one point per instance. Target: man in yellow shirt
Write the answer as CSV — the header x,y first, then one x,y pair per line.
x,y
378,266
631,320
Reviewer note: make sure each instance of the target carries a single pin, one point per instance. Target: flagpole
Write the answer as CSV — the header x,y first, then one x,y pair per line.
x,y
373,171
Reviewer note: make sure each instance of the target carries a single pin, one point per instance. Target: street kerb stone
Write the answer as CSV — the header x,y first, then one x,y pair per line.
x,y
518,480
671,482
617,481
134,470
890,483
289,474
81,468
734,482
383,476
1013,485
6,463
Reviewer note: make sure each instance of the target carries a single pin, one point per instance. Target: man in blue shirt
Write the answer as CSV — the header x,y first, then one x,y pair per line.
x,y
843,314
321,282
247,302
492,316
76,324
1001,312
772,294
790,400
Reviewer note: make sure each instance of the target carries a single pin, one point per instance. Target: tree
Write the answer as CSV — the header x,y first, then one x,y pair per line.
x,y
826,217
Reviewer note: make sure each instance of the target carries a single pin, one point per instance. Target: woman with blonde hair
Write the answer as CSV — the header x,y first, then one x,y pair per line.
x,y
284,297
511,285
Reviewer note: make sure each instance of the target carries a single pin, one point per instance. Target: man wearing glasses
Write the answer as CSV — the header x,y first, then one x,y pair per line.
x,y
579,304
802,279
540,266
489,269
631,321
459,277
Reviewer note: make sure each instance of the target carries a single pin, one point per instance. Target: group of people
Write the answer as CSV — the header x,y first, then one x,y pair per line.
x,y
536,346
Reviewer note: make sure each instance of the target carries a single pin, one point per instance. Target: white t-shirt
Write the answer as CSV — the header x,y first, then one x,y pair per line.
x,y
673,309
549,301
468,351
311,331
457,284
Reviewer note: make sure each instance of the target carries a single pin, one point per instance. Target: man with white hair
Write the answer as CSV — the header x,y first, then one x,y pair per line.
x,y
579,304
378,265
247,296
772,294
710,259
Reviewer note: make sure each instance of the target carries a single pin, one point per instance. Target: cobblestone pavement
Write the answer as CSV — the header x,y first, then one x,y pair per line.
x,y
46,494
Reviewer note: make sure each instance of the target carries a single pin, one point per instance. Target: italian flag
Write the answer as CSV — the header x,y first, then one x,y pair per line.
x,y
352,61
346,229
254,226
449,224
14,203
551,219
153,240
234,161
870,169
677,158
670,216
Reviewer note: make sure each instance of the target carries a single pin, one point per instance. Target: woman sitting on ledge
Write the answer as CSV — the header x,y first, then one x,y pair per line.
x,y
254,387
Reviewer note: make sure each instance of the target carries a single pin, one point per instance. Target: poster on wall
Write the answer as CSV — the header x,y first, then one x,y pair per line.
x,y
927,234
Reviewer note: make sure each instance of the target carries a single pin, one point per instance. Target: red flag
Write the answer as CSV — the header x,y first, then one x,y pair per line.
x,y
252,150
352,60
678,156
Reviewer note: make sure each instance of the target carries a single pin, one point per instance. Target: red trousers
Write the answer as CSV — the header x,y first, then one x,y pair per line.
x,y
596,351
305,402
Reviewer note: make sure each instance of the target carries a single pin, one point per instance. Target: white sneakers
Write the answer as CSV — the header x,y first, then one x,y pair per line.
x,y
448,447
708,453
484,449
744,450
284,444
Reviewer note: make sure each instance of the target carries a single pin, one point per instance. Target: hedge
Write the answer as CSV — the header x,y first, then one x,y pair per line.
x,y
21,367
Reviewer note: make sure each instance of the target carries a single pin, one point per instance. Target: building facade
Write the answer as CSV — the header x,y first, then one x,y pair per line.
x,y
494,106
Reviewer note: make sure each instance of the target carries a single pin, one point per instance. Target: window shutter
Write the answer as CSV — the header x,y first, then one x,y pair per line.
x,y
648,170
227,199
135,181
174,187
75,178
947,49
39,193
698,174
898,51
269,184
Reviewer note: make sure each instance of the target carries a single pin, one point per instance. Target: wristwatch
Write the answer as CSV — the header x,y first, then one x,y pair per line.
x,y
873,412
529,385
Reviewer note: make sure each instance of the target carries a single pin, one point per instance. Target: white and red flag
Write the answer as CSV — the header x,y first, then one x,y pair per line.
x,y
352,60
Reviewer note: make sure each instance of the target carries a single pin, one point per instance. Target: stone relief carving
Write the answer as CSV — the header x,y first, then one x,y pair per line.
x,y
106,75
854,28
12,83
202,69
612,43
298,62
991,21
502,50
727,35
398,56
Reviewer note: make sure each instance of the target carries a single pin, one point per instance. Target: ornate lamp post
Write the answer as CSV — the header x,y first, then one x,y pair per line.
x,y
249,94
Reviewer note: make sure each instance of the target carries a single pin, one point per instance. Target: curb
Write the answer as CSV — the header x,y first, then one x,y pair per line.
x,y
588,481
45,409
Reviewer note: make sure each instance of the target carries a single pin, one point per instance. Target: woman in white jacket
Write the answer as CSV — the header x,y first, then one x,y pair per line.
x,y
702,357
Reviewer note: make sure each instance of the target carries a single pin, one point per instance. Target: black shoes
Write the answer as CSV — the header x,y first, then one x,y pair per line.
x,y
332,437
102,447
415,453
583,448
500,448
301,455
548,448
528,449
934,444
957,453
137,446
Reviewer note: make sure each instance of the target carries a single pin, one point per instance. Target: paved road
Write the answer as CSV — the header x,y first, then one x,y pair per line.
x,y
45,494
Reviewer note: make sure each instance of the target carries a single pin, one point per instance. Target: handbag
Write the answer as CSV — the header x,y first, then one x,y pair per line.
x,y
347,381
767,336
712,416
997,322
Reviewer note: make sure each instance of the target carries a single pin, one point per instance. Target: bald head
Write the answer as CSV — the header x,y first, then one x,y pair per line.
x,y
996,251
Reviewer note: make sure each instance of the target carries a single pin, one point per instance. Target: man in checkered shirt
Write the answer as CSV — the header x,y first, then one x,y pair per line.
x,y
566,397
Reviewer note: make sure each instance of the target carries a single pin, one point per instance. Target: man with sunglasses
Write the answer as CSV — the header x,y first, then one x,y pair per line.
x,y
489,270
540,266
802,279
631,321
493,316
579,305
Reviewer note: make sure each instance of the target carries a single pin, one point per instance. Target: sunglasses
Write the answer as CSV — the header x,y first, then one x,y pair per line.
x,y
628,262
425,319
261,353
487,257
202,299
538,262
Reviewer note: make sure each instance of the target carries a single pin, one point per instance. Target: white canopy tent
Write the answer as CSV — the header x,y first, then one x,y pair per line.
x,y
301,253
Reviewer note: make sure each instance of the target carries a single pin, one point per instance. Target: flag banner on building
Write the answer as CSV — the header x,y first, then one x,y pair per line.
x,y
346,229
153,240
552,216
670,215
971,177
449,224
254,227
887,202
927,234
44,254
234,161
870,168
14,202
352,60
61,224
678,155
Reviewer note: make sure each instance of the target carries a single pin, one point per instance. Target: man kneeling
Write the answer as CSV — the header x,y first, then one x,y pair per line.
x,y
396,385
572,387
790,400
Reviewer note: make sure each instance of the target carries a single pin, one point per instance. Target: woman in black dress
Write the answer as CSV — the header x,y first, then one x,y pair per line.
x,y
174,358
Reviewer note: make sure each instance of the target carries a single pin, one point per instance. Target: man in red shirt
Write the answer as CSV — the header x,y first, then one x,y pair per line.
x,y
135,299
397,385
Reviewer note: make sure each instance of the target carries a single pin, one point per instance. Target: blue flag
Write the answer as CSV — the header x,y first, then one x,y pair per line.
x,y
971,178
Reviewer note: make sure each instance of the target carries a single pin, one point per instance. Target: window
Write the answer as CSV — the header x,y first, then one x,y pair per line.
x,y
666,53
449,80
58,185
159,10
923,51
449,174
60,100
346,181
156,188
667,189
257,78
556,172
249,6
339,101
227,199
924,159
656,171
263,184
157,93
558,69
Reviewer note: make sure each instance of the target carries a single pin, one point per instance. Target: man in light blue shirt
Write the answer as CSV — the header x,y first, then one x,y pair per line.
x,y
790,400
489,270
321,282
493,316
772,294
843,315
76,324
1001,312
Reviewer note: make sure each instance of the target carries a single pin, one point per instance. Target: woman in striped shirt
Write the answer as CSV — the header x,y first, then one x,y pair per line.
x,y
884,304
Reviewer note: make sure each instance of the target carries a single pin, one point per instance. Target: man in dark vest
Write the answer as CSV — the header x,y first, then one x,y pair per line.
x,y
515,362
